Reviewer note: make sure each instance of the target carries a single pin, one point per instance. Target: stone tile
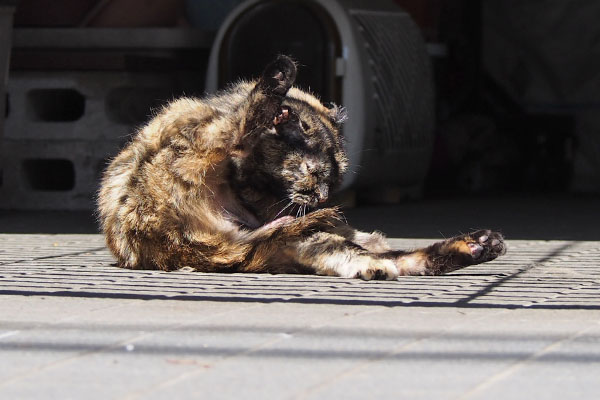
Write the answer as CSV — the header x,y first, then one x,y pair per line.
x,y
73,325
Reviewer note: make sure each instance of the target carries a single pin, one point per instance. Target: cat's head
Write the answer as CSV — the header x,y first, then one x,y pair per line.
x,y
297,152
303,153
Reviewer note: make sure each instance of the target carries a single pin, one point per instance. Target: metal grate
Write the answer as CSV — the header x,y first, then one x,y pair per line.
x,y
403,89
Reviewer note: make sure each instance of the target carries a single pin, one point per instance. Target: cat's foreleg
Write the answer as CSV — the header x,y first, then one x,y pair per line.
x,y
310,242
288,228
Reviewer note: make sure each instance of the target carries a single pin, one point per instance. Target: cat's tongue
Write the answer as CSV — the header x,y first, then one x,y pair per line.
x,y
279,222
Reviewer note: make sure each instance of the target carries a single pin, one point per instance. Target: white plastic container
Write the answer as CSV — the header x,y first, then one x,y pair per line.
x,y
379,70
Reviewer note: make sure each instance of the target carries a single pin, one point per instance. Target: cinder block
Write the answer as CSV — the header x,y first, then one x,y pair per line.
x,y
84,105
59,175
62,128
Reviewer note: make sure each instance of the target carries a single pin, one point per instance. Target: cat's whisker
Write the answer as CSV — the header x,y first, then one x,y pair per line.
x,y
211,191
343,216
283,209
291,203
276,203
280,201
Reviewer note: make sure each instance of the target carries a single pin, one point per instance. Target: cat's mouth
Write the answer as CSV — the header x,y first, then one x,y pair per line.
x,y
309,200
302,205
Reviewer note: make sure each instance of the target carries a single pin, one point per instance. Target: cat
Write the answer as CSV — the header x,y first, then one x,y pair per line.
x,y
233,183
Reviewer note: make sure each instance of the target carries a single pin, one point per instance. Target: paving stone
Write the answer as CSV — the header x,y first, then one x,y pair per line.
x,y
55,264
72,325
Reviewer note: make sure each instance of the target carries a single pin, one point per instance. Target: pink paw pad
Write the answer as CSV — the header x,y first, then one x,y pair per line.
x,y
476,249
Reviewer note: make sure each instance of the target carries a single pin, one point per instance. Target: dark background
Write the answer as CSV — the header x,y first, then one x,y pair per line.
x,y
517,104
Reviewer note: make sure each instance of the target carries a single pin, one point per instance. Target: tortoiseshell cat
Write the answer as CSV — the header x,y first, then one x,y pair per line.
x,y
230,183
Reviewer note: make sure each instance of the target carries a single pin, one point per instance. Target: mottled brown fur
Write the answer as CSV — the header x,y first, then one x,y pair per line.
x,y
231,183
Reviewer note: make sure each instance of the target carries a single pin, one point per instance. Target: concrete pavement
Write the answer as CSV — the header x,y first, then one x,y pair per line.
x,y
74,326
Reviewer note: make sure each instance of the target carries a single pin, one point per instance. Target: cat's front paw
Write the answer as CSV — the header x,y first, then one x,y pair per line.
x,y
279,76
478,247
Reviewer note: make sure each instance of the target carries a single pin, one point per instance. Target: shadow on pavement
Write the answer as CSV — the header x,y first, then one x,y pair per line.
x,y
462,303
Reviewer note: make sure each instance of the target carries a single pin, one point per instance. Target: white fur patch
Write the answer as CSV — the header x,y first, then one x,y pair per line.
x,y
348,265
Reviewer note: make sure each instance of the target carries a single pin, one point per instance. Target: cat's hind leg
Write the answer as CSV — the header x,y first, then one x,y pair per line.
x,y
349,253
332,254
262,109
451,254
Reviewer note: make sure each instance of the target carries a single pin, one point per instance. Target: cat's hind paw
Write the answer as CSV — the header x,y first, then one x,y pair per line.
x,y
279,76
477,247
464,250
486,245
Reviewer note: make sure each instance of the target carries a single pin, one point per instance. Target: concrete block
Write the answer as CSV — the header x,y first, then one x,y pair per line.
x,y
53,174
62,128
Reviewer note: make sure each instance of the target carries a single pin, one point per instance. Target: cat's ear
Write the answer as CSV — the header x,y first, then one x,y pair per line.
x,y
337,114
279,76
